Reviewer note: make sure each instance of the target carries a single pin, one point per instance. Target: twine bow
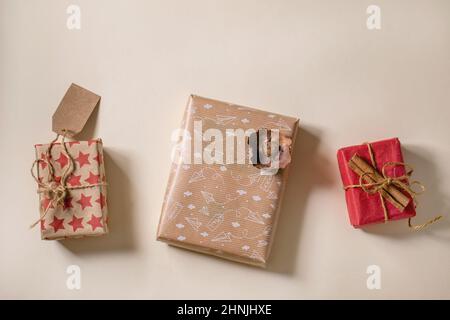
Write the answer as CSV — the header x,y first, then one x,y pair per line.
x,y
401,182
55,191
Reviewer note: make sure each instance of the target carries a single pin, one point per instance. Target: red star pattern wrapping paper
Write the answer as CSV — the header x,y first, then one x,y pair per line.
x,y
84,212
365,208
228,210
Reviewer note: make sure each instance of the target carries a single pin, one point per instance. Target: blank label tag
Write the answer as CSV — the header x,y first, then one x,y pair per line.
x,y
74,110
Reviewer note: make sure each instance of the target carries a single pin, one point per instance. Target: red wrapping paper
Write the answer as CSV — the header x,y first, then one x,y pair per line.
x,y
365,208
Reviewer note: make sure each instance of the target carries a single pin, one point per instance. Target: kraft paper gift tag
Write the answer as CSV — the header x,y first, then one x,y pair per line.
x,y
74,110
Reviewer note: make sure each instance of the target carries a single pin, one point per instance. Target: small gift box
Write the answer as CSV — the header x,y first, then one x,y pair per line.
x,y
71,175
227,207
376,183
72,189
361,170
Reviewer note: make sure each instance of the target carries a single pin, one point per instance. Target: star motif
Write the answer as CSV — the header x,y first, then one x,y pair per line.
x,y
101,200
83,158
76,223
95,222
57,179
67,203
57,224
85,201
74,180
42,161
62,160
98,158
93,178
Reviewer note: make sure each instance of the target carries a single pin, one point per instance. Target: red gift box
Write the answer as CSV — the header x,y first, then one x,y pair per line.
x,y
365,207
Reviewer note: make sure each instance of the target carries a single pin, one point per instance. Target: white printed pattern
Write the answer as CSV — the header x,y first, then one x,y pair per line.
x,y
216,211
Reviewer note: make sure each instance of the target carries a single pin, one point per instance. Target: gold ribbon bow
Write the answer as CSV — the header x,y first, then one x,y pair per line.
x,y
382,184
56,192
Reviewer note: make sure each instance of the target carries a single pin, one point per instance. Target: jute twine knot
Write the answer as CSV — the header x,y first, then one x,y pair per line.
x,y
55,192
400,182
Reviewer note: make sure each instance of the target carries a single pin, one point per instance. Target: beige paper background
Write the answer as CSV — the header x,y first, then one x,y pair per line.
x,y
311,59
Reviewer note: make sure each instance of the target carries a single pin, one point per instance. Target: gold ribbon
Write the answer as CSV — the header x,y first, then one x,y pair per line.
x,y
400,182
51,189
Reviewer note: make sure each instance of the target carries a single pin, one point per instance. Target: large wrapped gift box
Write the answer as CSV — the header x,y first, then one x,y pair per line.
x,y
226,209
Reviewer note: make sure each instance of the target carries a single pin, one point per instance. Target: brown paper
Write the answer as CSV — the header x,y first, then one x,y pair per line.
x,y
390,192
225,210
74,110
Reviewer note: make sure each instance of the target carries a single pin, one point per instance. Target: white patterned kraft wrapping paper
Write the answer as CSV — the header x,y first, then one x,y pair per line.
x,y
224,209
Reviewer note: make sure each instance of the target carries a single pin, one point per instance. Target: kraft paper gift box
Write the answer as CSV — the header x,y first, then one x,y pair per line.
x,y
83,210
364,164
227,210
71,175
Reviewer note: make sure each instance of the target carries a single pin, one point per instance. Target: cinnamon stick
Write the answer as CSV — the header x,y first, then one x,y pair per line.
x,y
390,192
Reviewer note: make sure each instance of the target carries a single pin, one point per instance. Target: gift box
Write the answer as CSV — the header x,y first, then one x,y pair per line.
x,y
72,189
226,208
71,175
375,180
